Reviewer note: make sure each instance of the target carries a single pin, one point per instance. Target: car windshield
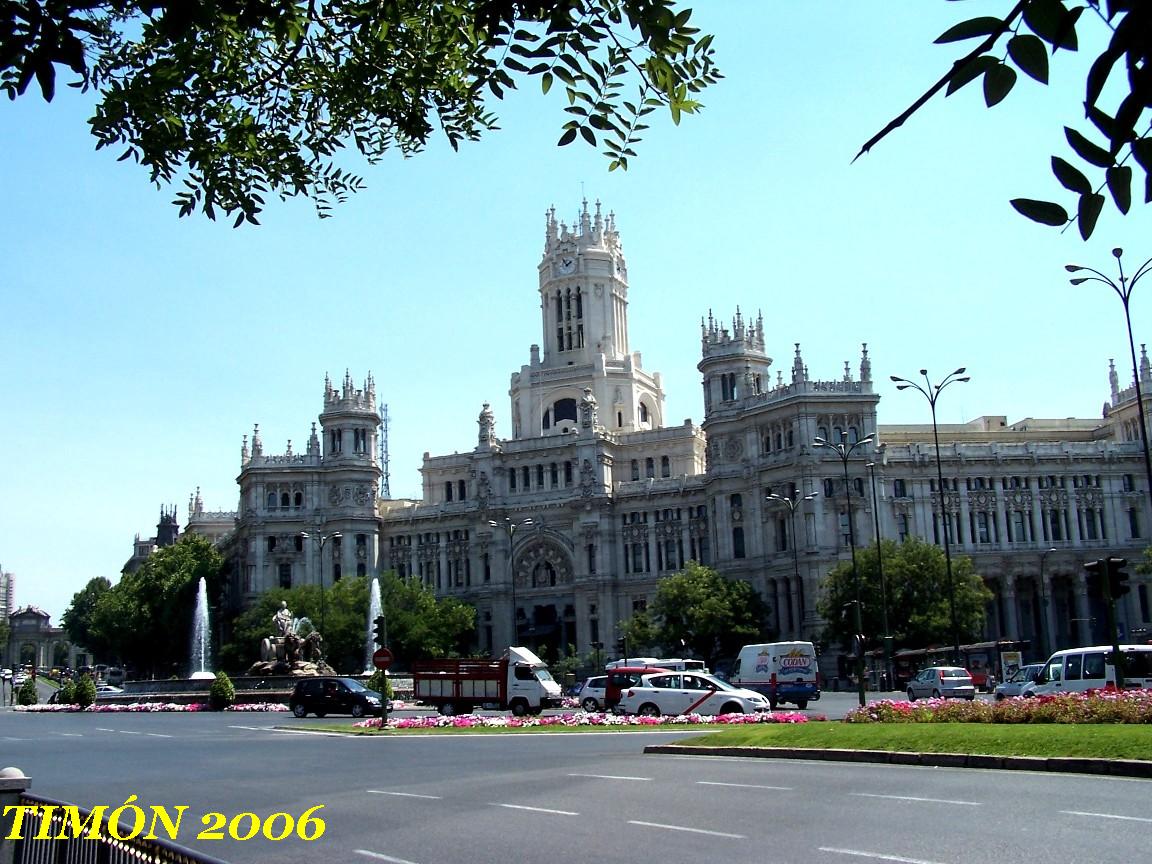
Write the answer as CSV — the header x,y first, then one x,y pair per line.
x,y
711,681
1138,664
353,685
954,673
543,675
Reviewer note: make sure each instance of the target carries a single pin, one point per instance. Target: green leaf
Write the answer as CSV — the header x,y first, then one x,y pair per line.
x,y
567,138
1049,20
970,29
1086,150
962,73
1044,212
1120,185
546,82
998,81
1142,150
1070,177
1088,213
1028,53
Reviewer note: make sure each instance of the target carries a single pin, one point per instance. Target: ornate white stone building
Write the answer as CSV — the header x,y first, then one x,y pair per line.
x,y
565,528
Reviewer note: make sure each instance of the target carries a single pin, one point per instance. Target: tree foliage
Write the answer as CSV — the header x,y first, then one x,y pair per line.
x,y
232,100
916,577
77,618
146,619
419,625
1117,95
700,611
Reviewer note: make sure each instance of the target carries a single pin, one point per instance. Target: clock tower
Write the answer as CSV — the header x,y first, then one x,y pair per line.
x,y
583,285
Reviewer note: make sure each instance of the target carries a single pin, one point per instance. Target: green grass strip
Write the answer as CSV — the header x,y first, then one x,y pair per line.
x,y
1091,740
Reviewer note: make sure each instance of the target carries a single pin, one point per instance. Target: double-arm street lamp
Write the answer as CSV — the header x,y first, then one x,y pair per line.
x,y
886,635
1124,292
510,525
844,451
792,503
321,539
931,392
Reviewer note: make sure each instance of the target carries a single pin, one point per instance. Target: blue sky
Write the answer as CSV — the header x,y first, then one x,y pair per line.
x,y
138,348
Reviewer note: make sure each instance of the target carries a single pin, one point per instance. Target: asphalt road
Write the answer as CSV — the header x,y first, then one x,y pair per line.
x,y
556,798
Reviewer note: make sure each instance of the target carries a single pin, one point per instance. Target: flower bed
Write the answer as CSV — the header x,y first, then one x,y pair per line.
x,y
580,719
1094,706
147,707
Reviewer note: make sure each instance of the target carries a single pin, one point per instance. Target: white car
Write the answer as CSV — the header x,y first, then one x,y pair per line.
x,y
688,693
1015,685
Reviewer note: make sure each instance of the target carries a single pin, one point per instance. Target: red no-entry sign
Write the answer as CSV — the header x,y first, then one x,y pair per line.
x,y
382,658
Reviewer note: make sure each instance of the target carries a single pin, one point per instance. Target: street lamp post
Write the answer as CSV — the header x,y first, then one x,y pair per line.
x,y
931,392
792,503
510,525
886,636
321,539
844,451
1124,292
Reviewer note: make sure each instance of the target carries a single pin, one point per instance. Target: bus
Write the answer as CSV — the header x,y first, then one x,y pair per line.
x,y
979,658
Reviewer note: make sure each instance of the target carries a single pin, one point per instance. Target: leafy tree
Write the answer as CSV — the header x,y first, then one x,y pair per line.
x,y
77,618
230,100
67,692
1117,94
916,577
221,694
146,618
27,695
421,626
5,632
700,610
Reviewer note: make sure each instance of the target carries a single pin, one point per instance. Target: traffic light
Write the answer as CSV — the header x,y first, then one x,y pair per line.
x,y
622,646
378,631
1117,579
858,645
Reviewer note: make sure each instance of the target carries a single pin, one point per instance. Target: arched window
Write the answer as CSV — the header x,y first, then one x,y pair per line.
x,y
284,500
822,432
271,500
738,542
665,467
298,499
649,467
643,413
853,435
736,501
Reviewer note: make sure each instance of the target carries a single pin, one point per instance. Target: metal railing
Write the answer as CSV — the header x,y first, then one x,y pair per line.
x,y
57,842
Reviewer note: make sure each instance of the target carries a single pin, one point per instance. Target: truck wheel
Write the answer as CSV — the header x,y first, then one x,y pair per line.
x,y
801,704
299,710
448,709
772,703
519,708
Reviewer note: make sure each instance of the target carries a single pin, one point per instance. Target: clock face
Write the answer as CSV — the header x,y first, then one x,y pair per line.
x,y
567,264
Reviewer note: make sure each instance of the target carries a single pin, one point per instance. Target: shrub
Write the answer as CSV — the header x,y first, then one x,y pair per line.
x,y
1095,706
221,694
67,693
27,693
85,691
381,683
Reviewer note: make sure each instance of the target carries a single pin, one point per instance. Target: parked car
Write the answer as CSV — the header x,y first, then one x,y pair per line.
x,y
948,682
19,677
591,694
107,690
688,693
1077,670
1020,679
324,695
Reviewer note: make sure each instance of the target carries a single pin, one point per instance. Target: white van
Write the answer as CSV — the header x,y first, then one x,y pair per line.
x,y
782,671
1076,670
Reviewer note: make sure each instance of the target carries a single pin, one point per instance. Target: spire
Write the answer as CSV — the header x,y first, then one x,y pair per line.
x,y
257,445
1145,368
798,368
847,371
865,363
1113,380
313,442
244,452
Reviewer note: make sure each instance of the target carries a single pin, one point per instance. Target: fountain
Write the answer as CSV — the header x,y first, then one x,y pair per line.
x,y
374,610
201,636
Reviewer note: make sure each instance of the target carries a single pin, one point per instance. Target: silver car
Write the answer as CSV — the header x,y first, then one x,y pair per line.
x,y
1020,679
942,682
591,695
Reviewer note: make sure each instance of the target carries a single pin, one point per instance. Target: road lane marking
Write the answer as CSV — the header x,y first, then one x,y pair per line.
x,y
742,785
534,809
379,856
689,830
610,777
878,856
911,798
70,734
1107,816
403,794
127,732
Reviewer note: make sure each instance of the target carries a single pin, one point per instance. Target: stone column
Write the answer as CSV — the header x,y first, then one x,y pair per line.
x,y
1049,622
13,783
1084,625
1011,607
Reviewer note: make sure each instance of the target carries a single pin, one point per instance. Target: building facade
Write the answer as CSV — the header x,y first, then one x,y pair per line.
x,y
560,531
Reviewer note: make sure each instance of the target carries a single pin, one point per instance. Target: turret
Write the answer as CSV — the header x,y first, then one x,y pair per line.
x,y
734,364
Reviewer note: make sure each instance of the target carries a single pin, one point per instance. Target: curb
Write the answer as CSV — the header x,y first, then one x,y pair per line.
x,y
1062,764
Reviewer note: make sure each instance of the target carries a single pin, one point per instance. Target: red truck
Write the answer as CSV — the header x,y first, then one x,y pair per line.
x,y
518,682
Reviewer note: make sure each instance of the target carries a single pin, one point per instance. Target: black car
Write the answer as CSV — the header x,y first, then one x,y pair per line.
x,y
324,695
